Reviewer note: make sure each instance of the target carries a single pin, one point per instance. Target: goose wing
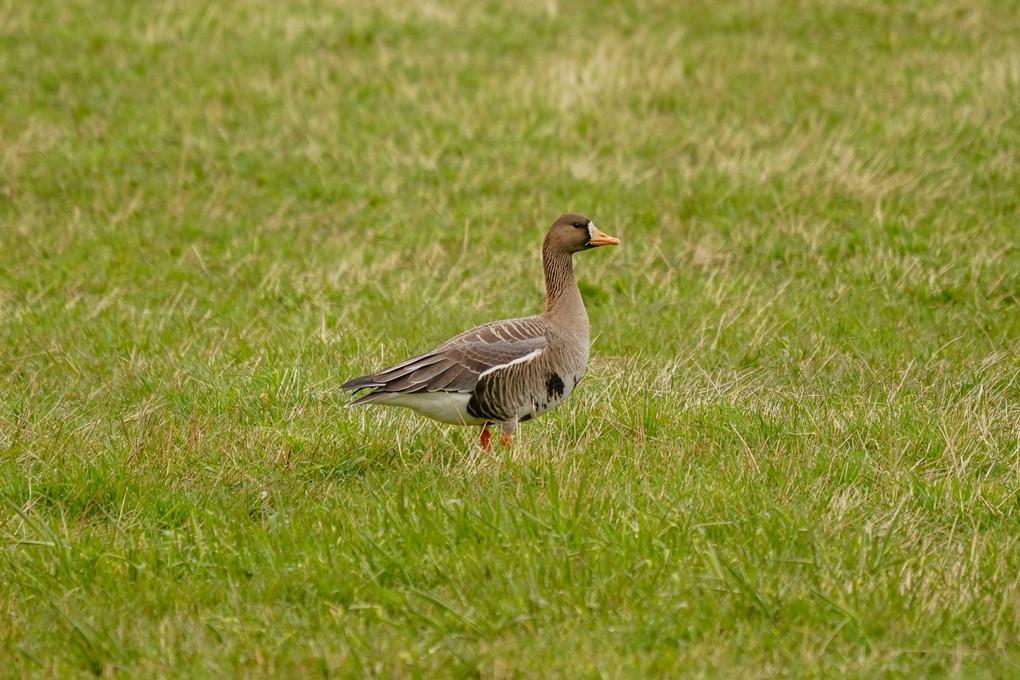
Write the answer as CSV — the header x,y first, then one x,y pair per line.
x,y
458,364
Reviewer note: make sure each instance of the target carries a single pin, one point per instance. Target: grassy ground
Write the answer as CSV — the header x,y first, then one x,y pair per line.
x,y
798,448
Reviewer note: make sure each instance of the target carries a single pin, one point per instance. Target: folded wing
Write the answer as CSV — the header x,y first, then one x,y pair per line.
x,y
457,365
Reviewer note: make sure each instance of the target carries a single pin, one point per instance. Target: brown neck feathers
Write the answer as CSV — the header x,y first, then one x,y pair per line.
x,y
563,302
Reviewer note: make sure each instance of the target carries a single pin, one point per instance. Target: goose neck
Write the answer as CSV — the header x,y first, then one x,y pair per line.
x,y
563,298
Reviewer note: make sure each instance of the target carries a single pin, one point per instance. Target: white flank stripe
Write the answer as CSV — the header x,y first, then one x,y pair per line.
x,y
520,360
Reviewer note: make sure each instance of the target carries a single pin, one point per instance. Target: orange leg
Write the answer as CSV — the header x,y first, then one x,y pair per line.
x,y
486,436
506,440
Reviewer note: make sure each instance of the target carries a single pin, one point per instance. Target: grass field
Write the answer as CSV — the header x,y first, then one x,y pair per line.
x,y
797,450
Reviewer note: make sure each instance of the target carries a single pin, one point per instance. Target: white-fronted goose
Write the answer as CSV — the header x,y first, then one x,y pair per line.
x,y
506,371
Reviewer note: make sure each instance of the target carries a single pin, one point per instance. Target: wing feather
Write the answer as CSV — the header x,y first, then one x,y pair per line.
x,y
457,364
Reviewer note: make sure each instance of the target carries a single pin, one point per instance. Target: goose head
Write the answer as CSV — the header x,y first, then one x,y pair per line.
x,y
573,233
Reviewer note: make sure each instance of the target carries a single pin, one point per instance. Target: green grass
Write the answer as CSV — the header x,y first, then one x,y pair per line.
x,y
797,452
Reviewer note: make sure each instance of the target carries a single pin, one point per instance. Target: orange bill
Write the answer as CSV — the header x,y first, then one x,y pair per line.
x,y
601,239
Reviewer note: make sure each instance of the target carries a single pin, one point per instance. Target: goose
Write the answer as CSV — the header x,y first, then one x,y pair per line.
x,y
504,372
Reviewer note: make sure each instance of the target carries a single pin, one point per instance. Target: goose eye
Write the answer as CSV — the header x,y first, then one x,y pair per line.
x,y
580,225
